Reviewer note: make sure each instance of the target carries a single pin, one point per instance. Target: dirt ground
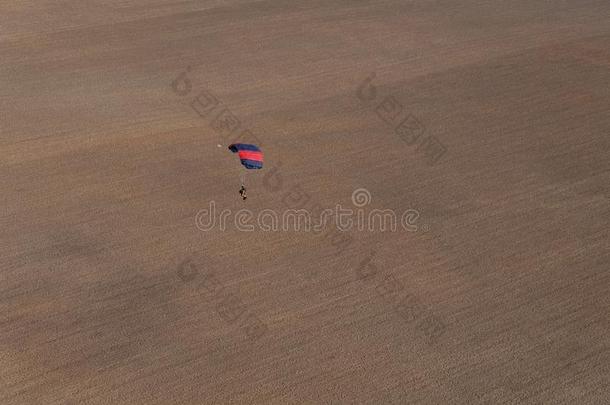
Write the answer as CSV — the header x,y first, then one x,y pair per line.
x,y
485,124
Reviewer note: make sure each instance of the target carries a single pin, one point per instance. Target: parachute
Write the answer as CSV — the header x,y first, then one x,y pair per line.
x,y
249,155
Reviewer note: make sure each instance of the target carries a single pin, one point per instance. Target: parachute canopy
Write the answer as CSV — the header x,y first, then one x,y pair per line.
x,y
250,155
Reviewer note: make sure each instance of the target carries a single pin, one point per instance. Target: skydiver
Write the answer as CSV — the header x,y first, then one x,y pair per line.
x,y
242,192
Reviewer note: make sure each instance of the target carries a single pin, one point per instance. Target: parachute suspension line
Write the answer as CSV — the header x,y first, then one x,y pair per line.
x,y
242,179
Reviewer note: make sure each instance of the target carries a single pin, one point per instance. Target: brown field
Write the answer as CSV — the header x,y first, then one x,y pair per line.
x,y
110,294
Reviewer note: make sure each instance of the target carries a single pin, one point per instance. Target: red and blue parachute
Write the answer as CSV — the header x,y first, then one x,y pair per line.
x,y
249,155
